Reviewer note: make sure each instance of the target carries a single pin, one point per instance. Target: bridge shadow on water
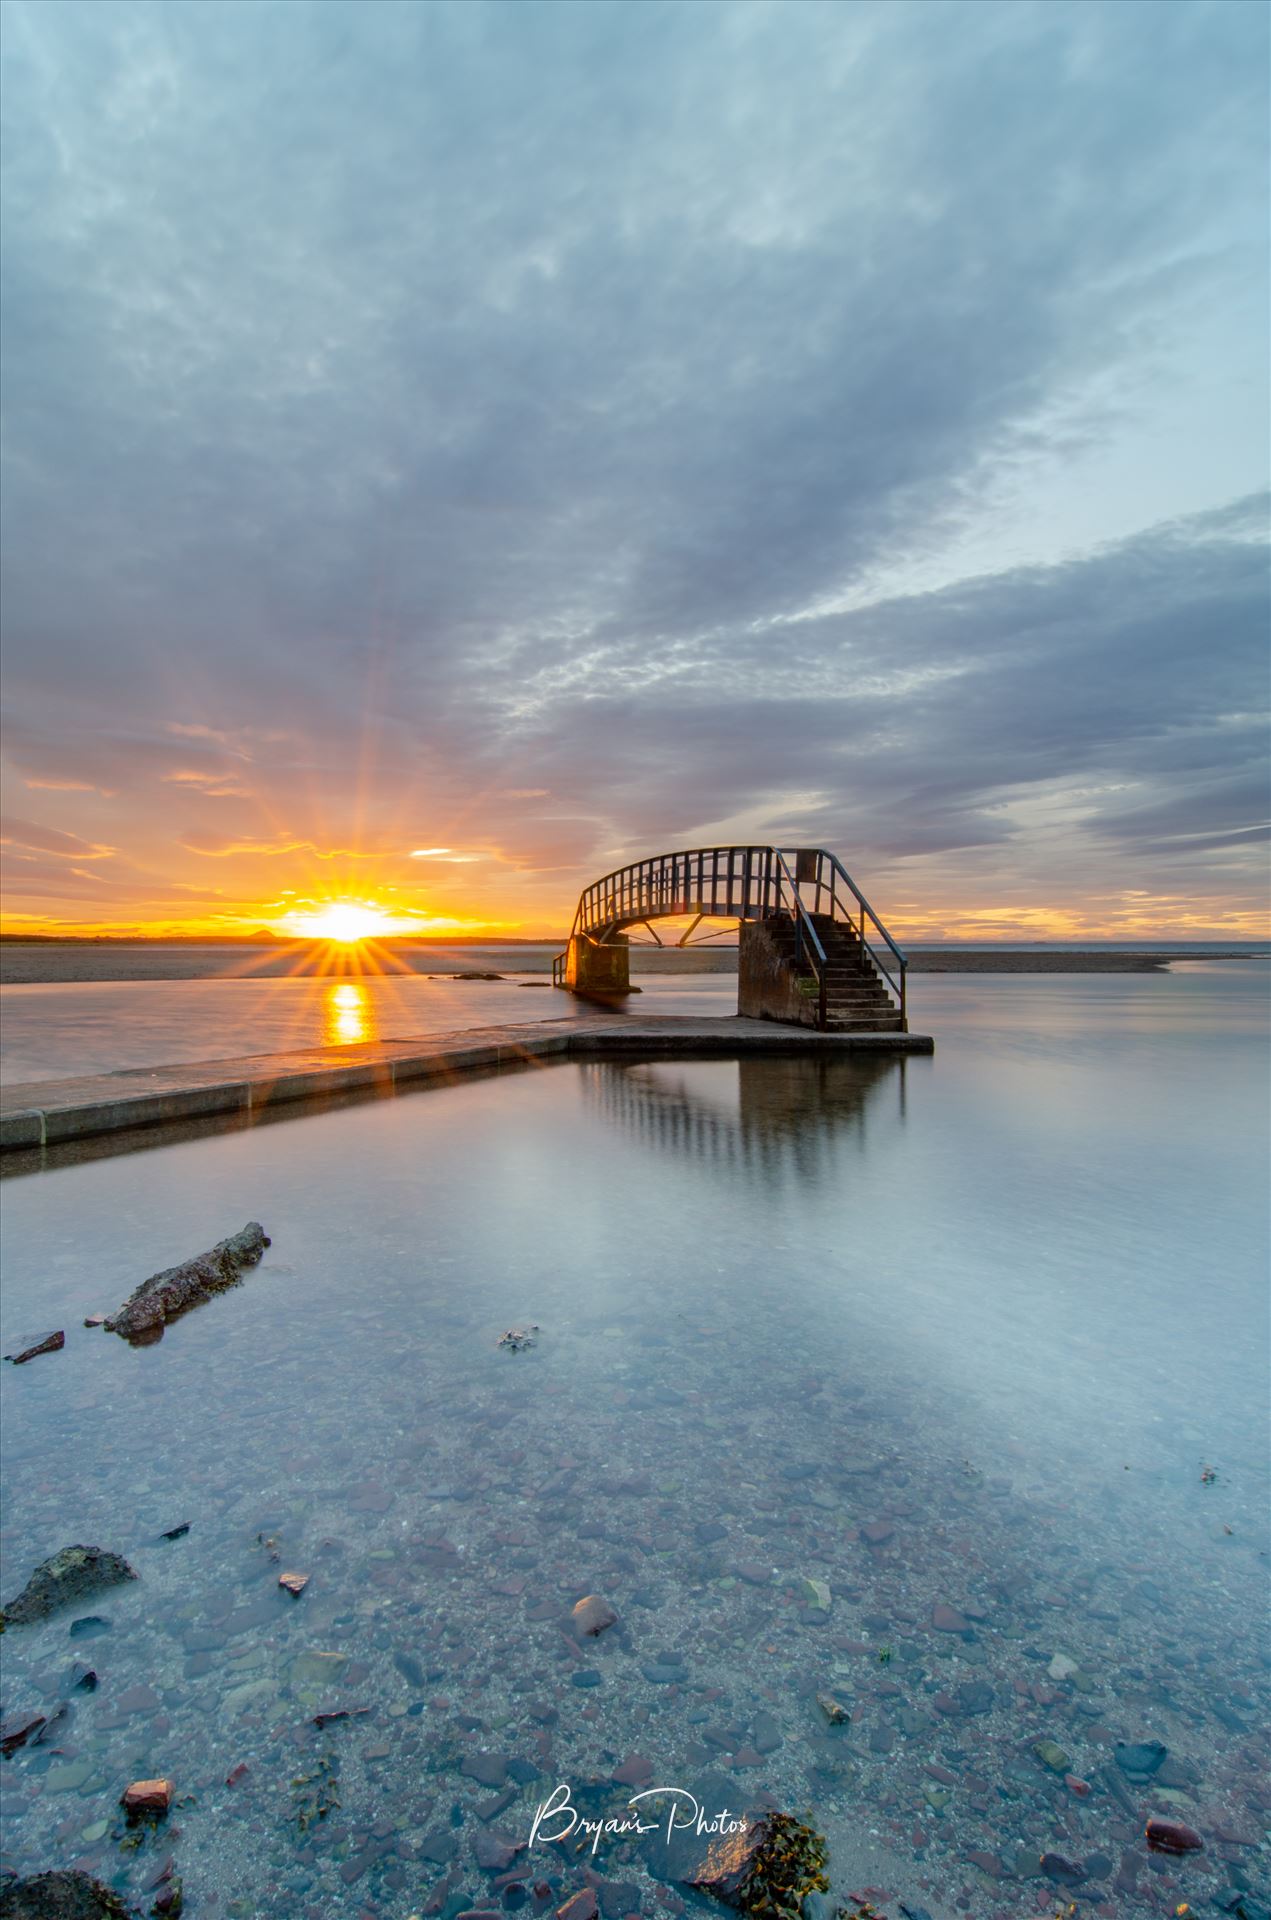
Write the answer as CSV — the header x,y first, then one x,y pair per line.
x,y
772,1118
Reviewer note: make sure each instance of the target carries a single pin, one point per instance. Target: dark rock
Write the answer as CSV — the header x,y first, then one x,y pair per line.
x,y
495,1852
975,1696
1065,1873
1139,1758
91,1625
588,1677
83,1677
1171,1836
176,1533
55,1726
18,1729
946,1619
1117,1788
167,1295
439,1847
634,1772
491,1769
71,1575
765,1733
61,1896
49,1344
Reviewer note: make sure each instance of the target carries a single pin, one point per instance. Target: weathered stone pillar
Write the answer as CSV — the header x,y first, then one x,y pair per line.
x,y
767,986
592,969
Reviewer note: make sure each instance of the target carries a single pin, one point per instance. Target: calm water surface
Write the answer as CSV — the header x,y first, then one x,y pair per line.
x,y
963,1333
59,1029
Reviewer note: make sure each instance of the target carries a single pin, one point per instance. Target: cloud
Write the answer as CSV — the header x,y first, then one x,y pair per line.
x,y
536,429
28,833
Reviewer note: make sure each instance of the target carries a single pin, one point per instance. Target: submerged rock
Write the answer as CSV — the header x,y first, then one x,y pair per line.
x,y
517,1339
761,1863
18,1729
1139,1758
61,1896
71,1575
147,1796
1171,1836
592,1615
50,1343
167,1295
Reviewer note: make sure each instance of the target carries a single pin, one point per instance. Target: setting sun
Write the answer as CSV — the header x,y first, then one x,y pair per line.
x,y
344,921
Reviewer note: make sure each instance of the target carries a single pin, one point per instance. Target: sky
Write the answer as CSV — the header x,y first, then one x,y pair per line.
x,y
450,450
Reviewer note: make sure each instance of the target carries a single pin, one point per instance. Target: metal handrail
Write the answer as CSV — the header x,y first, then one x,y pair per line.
x,y
735,883
838,871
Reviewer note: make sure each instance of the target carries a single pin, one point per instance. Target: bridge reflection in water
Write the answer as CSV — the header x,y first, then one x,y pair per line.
x,y
767,1118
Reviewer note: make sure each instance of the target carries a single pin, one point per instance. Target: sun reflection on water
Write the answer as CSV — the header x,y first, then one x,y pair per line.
x,y
348,1015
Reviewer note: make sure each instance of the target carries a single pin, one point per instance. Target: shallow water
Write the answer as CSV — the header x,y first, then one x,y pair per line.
x,y
1003,1307
55,1032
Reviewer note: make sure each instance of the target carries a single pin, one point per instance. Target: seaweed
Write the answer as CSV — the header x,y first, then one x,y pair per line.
x,y
790,1864
316,1794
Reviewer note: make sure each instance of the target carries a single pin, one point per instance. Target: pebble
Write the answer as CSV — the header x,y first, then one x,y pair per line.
x,y
581,1907
592,1615
1171,1836
147,1796
1052,1755
1142,1757
588,1676
946,1619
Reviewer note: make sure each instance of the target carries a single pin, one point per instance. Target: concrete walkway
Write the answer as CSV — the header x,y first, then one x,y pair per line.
x,y
53,1112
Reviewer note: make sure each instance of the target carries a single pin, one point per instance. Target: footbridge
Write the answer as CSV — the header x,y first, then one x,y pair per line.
x,y
812,951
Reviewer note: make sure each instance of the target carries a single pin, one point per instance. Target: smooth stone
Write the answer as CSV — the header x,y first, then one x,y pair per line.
x,y
592,1615
1052,1755
67,1778
586,1677
1142,1757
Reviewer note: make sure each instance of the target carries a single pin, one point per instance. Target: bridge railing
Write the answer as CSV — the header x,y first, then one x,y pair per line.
x,y
741,883
733,883
833,892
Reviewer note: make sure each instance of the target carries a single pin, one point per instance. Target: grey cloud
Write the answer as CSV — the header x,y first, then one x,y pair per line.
x,y
475,393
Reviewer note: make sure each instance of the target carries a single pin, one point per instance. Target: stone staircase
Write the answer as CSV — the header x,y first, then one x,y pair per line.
x,y
856,999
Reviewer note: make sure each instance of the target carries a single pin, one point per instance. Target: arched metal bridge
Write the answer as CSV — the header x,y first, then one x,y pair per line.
x,y
831,961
